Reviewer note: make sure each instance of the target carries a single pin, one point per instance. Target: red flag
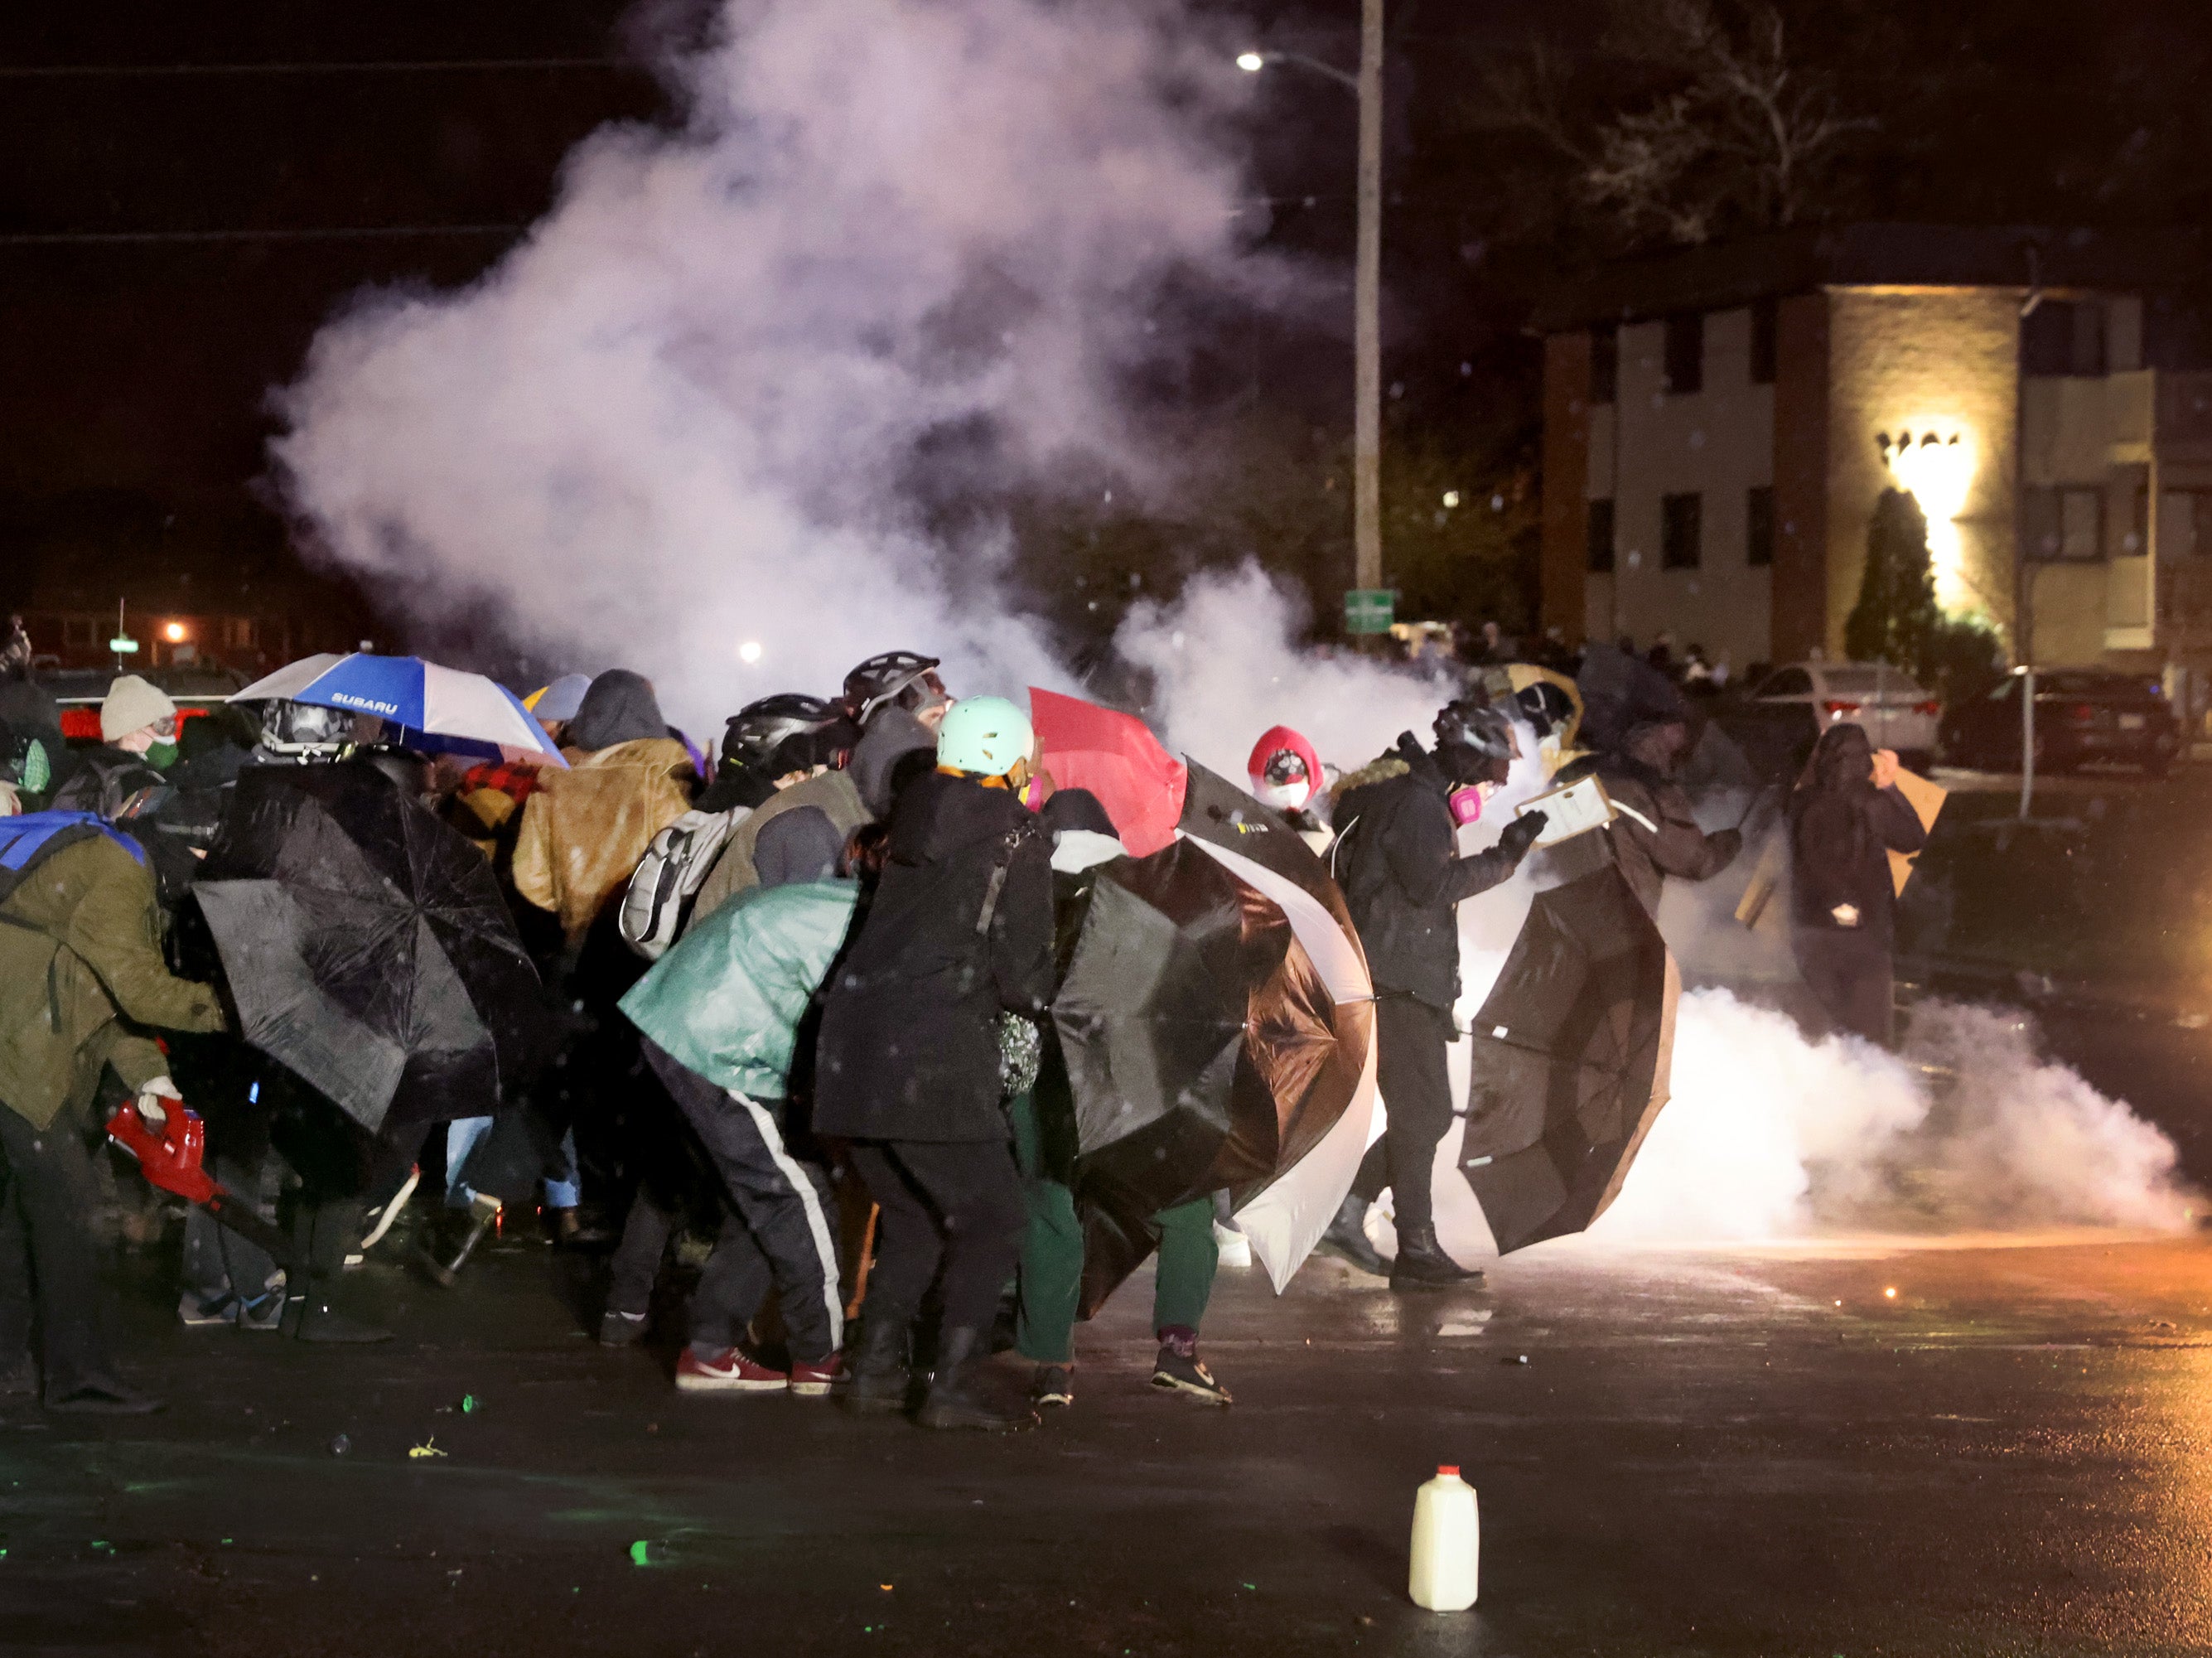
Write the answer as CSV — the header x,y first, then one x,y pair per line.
x,y
1118,759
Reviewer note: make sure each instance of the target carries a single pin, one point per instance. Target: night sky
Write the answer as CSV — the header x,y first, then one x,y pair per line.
x,y
187,193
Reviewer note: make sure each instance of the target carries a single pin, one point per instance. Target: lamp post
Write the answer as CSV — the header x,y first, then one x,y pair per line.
x,y
1367,288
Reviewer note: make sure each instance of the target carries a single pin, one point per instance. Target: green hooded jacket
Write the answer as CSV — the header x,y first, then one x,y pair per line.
x,y
80,953
727,999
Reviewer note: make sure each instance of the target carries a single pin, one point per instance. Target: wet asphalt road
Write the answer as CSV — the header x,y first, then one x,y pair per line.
x,y
1704,1453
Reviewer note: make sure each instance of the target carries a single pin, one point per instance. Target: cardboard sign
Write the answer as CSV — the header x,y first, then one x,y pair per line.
x,y
1575,810
1926,800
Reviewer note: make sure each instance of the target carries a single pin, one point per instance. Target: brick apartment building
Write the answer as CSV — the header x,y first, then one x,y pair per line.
x,y
1720,422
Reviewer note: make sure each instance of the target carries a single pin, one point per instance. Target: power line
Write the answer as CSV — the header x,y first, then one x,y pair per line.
x,y
328,234
400,66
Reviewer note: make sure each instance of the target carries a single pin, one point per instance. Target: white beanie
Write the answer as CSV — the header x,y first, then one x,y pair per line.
x,y
133,704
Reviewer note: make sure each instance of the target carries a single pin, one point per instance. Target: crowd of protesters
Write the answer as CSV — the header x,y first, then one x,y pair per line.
x,y
793,1008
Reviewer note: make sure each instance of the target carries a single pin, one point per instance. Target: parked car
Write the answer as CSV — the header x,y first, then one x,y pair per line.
x,y
78,693
1780,719
2083,716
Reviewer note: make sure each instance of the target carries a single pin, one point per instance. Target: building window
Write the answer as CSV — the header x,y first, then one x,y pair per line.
x,y
1685,352
1681,532
1763,317
242,632
2063,337
2063,524
1605,364
2184,524
1600,534
1758,527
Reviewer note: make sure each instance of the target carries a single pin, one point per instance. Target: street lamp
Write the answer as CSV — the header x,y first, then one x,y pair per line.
x,y
1367,288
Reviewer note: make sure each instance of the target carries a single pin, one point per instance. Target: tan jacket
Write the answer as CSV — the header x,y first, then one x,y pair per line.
x,y
834,793
80,951
586,828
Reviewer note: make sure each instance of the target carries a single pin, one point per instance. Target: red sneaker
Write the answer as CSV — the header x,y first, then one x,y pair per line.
x,y
727,1372
815,1381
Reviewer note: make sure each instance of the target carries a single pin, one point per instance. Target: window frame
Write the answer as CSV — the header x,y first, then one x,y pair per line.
x,y
1682,355
1688,505
1601,508
1758,527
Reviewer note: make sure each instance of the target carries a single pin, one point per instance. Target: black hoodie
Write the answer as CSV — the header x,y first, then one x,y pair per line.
x,y
959,931
1396,858
1842,831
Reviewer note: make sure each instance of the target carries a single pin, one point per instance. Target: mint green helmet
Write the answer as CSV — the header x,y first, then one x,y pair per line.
x,y
985,735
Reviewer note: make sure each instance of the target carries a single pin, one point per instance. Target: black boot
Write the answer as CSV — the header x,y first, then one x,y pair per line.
x,y
312,1318
325,1233
877,1363
1422,1263
960,1393
1346,1238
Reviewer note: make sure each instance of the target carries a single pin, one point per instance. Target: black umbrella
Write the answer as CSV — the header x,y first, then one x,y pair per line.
x,y
1571,1052
367,947
1150,1020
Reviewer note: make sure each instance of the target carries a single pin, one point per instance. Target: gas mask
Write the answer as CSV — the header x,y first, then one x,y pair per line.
x,y
1465,802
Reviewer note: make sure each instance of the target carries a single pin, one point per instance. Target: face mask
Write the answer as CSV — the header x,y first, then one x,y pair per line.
x,y
1286,797
162,756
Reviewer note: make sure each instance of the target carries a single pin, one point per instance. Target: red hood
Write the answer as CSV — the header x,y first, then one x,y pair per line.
x,y
1277,738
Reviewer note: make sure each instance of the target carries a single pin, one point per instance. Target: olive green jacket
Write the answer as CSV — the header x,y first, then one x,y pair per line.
x,y
80,953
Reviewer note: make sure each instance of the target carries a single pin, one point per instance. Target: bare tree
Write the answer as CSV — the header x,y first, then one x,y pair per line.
x,y
1724,129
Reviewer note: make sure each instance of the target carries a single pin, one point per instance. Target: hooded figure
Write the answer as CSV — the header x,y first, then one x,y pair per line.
x,y
1396,857
583,830
1287,773
1657,834
79,955
960,932
1846,816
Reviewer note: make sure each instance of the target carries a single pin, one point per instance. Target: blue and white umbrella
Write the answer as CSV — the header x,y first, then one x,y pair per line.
x,y
439,708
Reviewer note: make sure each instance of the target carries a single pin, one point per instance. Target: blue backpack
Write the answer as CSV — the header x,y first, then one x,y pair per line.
x,y
26,839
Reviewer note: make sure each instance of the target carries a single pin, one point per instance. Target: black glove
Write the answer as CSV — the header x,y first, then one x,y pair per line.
x,y
1521,834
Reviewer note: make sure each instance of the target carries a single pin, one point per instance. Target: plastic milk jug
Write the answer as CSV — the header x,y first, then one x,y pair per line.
x,y
1447,1544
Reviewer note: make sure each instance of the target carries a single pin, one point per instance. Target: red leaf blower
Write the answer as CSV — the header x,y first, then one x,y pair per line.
x,y
171,1161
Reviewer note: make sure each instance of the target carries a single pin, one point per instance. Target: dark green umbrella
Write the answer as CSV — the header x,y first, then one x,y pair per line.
x,y
1571,1052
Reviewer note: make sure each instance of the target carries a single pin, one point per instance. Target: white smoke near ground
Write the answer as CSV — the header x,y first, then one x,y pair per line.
x,y
675,428
1769,1135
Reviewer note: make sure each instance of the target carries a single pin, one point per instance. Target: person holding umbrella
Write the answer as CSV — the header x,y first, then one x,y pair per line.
x,y
1397,825
80,953
960,932
1846,816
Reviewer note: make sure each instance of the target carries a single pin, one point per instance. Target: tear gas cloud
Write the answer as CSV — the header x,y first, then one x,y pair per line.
x,y
682,416
685,413
1768,1135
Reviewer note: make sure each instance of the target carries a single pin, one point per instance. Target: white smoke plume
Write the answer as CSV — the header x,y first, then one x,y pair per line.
x,y
1225,666
679,420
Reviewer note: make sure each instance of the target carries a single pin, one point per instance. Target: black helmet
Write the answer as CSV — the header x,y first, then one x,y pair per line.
x,y
305,731
1475,742
1548,707
755,730
884,678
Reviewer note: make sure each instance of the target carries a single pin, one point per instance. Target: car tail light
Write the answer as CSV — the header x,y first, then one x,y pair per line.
x,y
2082,713
1838,710
1931,707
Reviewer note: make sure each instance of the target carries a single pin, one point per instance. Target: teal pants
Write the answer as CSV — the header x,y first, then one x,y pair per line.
x,y
1051,1281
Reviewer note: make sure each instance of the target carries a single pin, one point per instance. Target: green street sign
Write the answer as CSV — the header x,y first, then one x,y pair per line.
x,y
124,644
1370,609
